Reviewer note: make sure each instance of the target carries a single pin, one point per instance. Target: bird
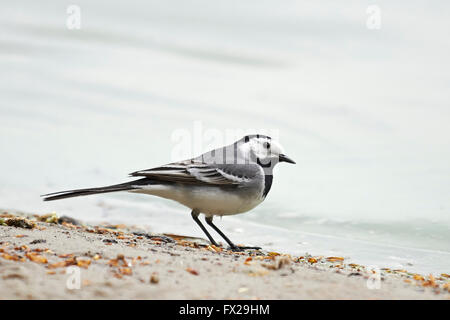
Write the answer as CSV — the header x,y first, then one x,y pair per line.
x,y
225,181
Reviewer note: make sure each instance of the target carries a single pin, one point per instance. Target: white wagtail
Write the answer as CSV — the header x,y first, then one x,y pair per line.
x,y
225,181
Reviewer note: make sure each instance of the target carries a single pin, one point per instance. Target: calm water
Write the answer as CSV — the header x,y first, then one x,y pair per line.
x,y
364,113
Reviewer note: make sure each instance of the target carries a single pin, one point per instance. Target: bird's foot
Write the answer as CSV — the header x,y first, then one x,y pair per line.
x,y
242,248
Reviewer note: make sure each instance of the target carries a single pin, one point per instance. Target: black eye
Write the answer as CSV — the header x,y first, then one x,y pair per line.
x,y
266,145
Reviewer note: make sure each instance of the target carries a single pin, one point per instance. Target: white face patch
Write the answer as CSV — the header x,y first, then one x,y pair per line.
x,y
261,150
265,148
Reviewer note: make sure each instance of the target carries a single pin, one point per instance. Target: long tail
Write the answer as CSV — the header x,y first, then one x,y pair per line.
x,y
85,192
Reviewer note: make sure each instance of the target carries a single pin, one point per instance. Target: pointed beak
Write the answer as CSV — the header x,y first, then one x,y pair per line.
x,y
284,158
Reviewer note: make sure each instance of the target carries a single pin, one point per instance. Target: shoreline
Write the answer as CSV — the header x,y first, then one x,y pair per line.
x,y
47,257
161,217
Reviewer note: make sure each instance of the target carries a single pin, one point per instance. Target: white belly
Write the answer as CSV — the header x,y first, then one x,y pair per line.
x,y
210,201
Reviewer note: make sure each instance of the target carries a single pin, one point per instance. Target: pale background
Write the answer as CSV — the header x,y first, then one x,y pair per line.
x,y
365,113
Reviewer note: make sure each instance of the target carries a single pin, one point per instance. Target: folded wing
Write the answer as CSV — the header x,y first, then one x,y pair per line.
x,y
191,172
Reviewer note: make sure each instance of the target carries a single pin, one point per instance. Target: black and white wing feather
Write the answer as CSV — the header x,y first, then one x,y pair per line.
x,y
192,172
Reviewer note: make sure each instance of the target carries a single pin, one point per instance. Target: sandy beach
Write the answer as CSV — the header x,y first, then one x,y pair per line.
x,y
47,257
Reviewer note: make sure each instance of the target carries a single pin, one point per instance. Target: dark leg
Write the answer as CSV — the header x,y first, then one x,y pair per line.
x,y
194,215
231,244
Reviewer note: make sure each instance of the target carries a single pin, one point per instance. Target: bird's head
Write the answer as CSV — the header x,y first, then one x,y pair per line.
x,y
263,150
